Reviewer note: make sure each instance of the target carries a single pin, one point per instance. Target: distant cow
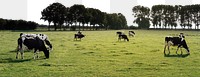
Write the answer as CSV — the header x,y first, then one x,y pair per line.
x,y
33,41
78,36
131,33
175,41
123,36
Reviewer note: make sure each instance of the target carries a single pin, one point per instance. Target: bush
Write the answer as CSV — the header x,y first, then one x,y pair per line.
x,y
17,25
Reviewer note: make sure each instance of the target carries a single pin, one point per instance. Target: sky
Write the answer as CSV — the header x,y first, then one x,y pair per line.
x,y
31,9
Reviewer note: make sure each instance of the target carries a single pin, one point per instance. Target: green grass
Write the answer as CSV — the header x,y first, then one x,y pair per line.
x,y
100,54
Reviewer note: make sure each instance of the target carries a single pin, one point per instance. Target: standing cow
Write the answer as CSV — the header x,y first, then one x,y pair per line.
x,y
123,36
33,41
131,33
176,41
79,35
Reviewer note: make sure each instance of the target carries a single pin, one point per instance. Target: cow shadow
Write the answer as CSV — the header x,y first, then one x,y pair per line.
x,y
77,40
11,60
15,51
176,55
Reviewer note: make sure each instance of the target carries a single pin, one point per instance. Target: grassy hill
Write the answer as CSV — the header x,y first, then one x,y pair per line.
x,y
100,54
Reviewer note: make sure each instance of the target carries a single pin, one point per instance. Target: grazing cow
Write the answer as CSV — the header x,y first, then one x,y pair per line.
x,y
123,36
131,33
76,36
33,41
176,41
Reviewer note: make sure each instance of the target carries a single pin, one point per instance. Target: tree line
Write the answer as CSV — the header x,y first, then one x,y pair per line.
x,y
8,24
79,17
167,16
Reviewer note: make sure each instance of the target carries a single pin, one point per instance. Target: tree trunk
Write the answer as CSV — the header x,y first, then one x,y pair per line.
x,y
49,26
55,27
87,26
79,26
83,26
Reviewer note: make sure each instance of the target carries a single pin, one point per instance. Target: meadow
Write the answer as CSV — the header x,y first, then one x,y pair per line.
x,y
100,54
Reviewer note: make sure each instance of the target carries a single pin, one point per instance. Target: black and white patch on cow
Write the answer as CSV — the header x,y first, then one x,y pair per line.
x,y
33,41
131,33
175,41
123,36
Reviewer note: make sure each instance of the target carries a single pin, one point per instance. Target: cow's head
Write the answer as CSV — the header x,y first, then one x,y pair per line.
x,y
46,53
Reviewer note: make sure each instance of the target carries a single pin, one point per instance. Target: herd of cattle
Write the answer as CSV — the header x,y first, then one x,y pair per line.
x,y
38,42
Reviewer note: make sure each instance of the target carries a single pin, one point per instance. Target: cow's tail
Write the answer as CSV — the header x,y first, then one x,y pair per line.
x,y
19,48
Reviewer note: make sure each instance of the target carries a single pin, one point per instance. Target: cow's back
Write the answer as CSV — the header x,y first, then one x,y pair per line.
x,y
174,40
30,43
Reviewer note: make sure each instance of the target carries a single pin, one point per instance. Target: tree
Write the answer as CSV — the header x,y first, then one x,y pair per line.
x,y
142,16
123,21
77,12
54,13
2,24
87,16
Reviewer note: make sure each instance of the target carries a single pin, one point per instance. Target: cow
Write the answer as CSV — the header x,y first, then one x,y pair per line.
x,y
123,36
176,41
78,36
131,33
33,41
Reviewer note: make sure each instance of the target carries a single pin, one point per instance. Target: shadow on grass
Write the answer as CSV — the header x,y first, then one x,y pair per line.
x,y
15,51
10,60
177,55
77,40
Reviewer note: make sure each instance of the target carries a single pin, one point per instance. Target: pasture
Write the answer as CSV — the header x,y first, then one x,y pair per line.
x,y
100,54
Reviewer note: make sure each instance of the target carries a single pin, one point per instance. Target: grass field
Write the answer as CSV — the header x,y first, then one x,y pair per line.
x,y
100,54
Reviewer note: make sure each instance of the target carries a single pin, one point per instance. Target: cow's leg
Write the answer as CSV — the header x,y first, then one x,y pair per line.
x,y
165,48
22,54
17,55
18,48
168,47
178,49
21,50
181,51
35,53
75,37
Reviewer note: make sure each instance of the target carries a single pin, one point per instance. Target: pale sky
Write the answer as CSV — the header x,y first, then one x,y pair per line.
x,y
103,5
31,9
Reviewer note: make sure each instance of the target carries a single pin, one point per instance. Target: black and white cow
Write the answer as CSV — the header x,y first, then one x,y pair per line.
x,y
78,36
176,41
33,41
123,36
131,33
